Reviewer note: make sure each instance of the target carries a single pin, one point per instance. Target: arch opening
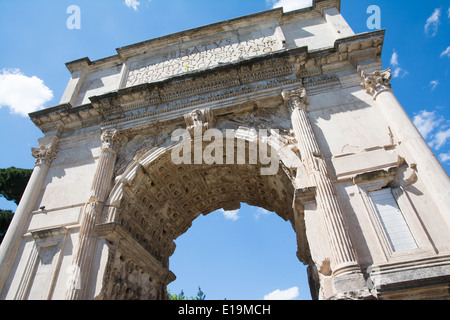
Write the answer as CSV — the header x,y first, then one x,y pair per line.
x,y
245,254
156,201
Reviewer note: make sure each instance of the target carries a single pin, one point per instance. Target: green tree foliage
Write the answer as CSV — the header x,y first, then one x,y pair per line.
x,y
13,182
5,220
181,297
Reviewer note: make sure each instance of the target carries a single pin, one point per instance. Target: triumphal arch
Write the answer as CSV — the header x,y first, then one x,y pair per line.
x,y
292,112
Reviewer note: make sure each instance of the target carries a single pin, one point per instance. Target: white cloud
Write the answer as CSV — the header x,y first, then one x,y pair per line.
x,y
394,59
398,71
434,84
433,22
231,215
445,157
290,5
435,129
289,294
440,139
261,212
132,4
22,94
446,52
426,122
448,12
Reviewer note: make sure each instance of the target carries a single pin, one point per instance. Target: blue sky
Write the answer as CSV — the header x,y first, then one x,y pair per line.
x,y
251,254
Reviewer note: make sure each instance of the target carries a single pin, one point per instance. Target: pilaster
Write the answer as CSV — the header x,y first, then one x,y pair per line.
x,y
44,156
347,275
411,145
326,196
101,186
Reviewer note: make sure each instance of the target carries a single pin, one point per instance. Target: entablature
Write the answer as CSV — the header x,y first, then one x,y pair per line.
x,y
144,47
249,79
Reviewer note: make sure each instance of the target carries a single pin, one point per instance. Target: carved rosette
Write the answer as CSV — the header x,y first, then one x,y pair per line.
x,y
376,82
45,154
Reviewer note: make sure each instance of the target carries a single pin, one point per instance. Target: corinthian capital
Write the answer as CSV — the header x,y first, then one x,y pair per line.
x,y
110,138
376,82
45,154
296,99
199,118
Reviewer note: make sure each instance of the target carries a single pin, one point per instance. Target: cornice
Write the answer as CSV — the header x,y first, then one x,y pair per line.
x,y
71,117
321,5
129,51
227,81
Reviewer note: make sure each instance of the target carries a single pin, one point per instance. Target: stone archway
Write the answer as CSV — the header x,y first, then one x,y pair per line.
x,y
107,209
156,201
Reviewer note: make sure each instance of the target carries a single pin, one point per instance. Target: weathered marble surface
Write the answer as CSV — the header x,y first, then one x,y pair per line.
x,y
106,201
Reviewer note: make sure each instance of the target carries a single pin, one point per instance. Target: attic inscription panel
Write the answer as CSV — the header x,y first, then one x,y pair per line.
x,y
199,57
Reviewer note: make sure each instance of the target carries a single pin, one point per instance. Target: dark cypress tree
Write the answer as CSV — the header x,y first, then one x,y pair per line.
x,y
13,182
5,219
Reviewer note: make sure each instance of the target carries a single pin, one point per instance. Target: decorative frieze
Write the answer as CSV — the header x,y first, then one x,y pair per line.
x,y
187,89
200,57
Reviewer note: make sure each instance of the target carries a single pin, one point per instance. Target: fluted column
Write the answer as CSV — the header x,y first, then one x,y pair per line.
x,y
13,239
411,144
85,252
341,245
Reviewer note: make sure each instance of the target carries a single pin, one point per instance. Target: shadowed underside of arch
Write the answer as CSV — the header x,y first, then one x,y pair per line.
x,y
156,201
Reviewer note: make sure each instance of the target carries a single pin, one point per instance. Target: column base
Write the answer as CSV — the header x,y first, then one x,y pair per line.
x,y
353,295
349,283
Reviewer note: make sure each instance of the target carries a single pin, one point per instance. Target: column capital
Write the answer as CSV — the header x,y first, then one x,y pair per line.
x,y
199,119
375,82
110,140
45,154
296,99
